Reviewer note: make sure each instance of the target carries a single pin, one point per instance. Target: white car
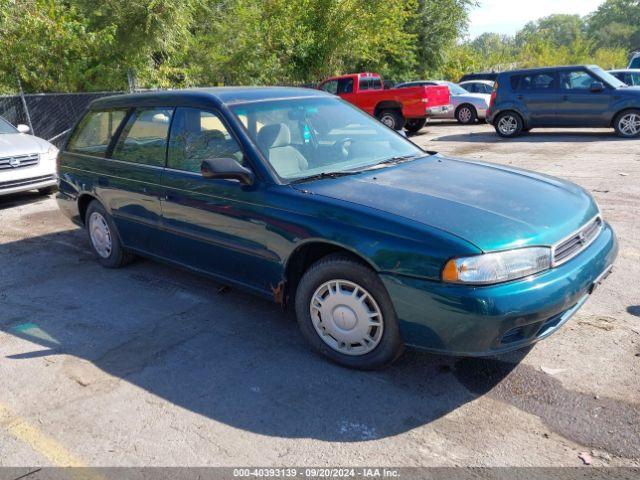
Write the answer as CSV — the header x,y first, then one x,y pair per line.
x,y
466,107
26,162
478,86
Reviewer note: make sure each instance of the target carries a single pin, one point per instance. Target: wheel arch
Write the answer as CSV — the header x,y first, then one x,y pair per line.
x,y
309,252
387,105
84,199
620,112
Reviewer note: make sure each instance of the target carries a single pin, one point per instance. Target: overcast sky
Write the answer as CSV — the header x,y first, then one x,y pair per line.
x,y
505,16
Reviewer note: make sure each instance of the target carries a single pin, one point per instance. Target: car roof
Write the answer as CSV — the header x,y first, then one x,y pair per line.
x,y
624,70
479,80
196,96
546,69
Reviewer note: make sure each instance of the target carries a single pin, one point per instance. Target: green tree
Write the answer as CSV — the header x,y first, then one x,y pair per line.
x,y
616,24
558,29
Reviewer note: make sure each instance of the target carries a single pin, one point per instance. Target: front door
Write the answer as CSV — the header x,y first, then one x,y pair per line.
x,y
579,105
214,225
130,182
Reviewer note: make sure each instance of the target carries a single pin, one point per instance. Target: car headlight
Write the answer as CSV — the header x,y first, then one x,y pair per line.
x,y
497,267
51,154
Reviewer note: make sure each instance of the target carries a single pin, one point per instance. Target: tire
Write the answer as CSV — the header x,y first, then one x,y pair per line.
x,y
415,125
627,124
466,114
47,190
508,124
104,238
335,278
392,119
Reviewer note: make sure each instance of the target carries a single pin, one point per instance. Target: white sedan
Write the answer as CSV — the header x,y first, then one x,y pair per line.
x,y
26,162
467,107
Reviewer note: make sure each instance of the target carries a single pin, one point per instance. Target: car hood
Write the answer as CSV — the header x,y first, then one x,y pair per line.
x,y
491,206
21,144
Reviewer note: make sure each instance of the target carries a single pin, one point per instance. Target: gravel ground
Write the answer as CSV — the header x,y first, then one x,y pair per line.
x,y
150,365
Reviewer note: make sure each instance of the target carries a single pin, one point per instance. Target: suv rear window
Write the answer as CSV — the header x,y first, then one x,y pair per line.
x,y
635,63
537,82
95,131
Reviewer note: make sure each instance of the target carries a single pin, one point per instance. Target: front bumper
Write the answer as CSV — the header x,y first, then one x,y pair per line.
x,y
24,184
478,321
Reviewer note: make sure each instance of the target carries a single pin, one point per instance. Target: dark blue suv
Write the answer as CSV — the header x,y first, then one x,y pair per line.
x,y
574,96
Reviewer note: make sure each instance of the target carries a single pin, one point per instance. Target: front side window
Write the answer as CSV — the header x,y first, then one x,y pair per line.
x,y
576,80
537,82
144,138
198,135
305,137
95,131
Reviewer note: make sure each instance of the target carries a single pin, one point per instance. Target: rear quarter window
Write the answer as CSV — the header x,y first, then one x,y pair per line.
x,y
95,131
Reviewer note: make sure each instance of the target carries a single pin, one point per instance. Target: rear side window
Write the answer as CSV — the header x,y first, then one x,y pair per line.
x,y
95,131
537,82
198,135
144,138
345,85
514,82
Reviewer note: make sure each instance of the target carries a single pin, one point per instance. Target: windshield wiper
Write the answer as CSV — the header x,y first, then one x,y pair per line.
x,y
323,175
397,160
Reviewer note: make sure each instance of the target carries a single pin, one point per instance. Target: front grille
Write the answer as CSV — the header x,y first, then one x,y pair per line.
x,y
19,161
26,181
577,242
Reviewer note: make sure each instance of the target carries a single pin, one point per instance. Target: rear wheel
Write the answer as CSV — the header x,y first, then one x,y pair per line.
x,y
415,125
392,119
466,114
104,238
345,313
509,124
627,124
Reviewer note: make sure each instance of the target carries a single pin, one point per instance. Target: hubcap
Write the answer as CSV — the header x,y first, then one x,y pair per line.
x,y
465,115
100,234
630,124
388,120
346,317
508,125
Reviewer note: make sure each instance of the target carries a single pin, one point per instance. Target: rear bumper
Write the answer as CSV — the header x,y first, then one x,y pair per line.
x,y
440,110
478,321
24,184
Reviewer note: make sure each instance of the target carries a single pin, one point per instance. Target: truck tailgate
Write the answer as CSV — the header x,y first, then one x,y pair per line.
x,y
437,95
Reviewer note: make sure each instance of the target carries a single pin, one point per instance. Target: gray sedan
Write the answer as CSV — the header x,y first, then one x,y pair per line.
x,y
467,107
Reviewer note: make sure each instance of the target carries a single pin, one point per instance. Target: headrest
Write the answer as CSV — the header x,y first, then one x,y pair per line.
x,y
276,135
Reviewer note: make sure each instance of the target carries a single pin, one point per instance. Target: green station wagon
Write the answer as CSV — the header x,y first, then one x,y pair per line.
x,y
299,197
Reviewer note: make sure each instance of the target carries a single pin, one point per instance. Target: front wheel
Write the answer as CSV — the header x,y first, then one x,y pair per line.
x,y
345,313
415,125
509,124
392,119
627,124
104,238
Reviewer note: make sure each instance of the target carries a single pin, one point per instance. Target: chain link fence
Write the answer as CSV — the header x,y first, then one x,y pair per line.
x,y
48,115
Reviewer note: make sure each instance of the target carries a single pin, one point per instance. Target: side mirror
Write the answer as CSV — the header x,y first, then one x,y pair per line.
x,y
597,87
22,128
228,168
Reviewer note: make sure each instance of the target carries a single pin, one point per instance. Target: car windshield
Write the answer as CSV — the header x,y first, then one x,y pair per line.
x,y
456,89
6,127
607,77
310,137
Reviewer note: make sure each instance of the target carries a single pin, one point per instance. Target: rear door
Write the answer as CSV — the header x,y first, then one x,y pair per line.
x,y
130,182
538,96
580,106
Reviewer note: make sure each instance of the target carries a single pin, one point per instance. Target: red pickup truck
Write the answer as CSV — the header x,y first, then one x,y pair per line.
x,y
396,107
